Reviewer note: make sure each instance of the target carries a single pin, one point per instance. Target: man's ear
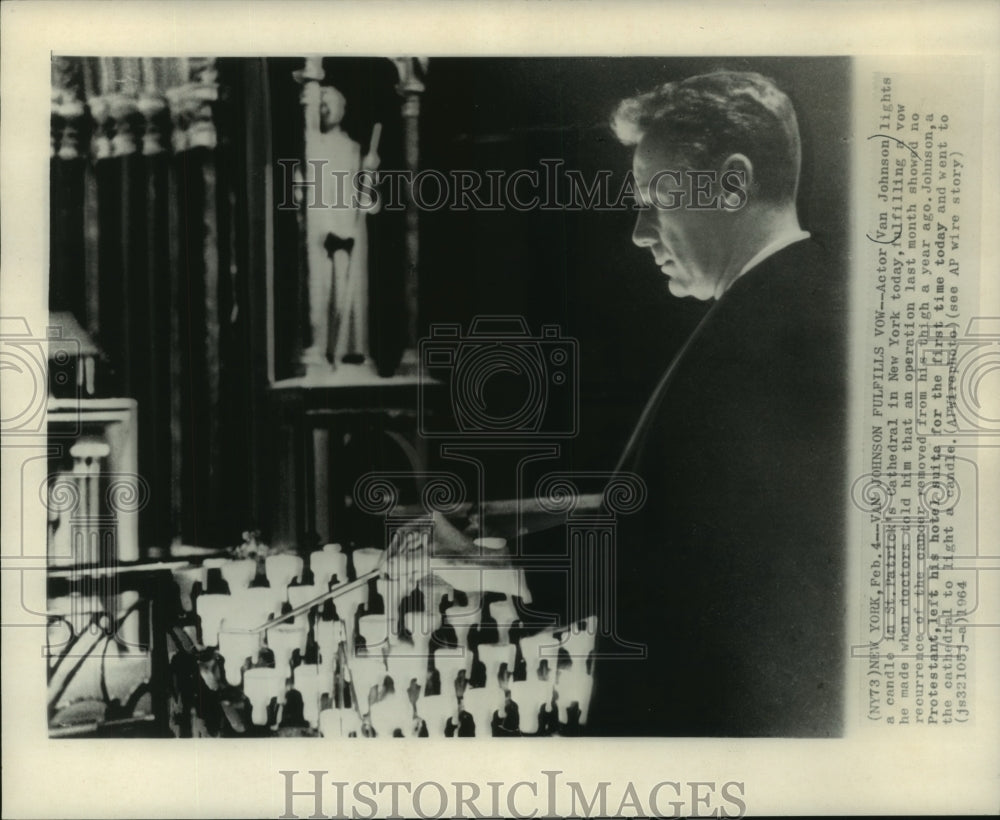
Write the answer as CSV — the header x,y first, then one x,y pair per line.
x,y
736,179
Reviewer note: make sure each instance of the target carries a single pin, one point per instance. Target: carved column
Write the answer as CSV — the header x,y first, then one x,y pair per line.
x,y
153,107
69,131
151,295
412,71
196,279
68,123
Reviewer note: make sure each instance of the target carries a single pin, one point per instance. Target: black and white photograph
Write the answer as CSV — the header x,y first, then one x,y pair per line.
x,y
601,229
581,406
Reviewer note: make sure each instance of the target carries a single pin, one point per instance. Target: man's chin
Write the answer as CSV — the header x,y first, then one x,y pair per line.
x,y
681,288
678,288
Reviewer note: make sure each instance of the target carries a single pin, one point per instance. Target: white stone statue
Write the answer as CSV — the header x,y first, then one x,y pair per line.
x,y
336,232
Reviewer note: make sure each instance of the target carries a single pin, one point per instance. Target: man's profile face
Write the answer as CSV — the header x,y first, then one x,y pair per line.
x,y
692,247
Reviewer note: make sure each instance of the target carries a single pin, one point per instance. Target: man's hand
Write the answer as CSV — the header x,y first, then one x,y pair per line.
x,y
449,541
452,561
408,552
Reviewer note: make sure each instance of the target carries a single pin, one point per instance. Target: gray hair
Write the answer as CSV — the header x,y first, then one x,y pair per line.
x,y
704,119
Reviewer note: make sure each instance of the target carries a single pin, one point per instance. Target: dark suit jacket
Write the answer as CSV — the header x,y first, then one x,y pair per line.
x,y
733,573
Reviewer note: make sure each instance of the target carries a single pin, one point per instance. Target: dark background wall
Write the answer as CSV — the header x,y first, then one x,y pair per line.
x,y
575,269
580,270
172,277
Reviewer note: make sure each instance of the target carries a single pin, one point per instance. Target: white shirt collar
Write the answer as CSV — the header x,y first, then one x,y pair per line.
x,y
781,241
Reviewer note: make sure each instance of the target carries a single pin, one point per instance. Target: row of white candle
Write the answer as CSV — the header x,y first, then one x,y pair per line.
x,y
226,621
394,712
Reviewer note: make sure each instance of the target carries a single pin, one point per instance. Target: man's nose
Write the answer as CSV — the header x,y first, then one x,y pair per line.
x,y
644,234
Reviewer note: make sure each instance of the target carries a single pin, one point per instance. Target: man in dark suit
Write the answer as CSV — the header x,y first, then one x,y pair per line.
x,y
733,573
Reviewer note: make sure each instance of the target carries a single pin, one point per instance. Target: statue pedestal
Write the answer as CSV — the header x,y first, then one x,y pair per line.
x,y
314,367
320,373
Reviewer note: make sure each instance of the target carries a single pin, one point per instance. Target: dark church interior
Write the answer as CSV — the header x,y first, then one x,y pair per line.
x,y
220,505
